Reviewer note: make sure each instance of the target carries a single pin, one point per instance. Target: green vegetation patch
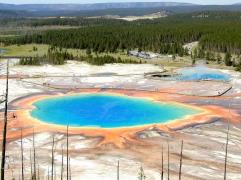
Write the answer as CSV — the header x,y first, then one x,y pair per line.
x,y
25,50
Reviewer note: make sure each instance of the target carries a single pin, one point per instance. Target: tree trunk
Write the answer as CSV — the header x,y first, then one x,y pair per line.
x,y
62,164
118,170
168,161
67,154
38,173
5,126
226,149
22,154
34,158
52,163
31,167
162,173
180,168
69,169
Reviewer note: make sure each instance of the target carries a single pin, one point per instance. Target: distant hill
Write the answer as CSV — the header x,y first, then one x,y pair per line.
x,y
13,14
198,8
96,6
104,9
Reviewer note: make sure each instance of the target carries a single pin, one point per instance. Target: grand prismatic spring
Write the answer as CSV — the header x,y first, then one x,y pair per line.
x,y
107,111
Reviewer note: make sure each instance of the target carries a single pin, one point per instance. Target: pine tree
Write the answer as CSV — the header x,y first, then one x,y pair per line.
x,y
88,51
227,59
219,58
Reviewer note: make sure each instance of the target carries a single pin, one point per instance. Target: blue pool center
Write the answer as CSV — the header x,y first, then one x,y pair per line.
x,y
107,111
201,72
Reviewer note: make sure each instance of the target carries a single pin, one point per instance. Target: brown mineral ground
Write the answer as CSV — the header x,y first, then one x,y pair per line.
x,y
116,136
94,152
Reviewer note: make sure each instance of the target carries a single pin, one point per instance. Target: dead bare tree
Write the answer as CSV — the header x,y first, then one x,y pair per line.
x,y
31,167
67,154
180,168
226,154
38,173
168,161
4,140
34,157
62,164
69,169
226,146
118,170
22,153
52,163
55,171
19,175
162,173
48,173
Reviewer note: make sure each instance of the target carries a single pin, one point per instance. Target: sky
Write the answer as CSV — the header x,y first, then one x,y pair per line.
x,y
103,1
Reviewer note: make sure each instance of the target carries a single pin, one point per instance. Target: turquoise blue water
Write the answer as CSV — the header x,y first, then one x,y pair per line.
x,y
201,73
106,111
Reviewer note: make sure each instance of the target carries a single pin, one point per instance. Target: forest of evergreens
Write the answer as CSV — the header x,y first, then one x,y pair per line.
x,y
101,60
59,56
217,32
55,56
164,36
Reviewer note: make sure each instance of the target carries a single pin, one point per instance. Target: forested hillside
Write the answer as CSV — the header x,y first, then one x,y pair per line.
x,y
9,14
219,31
111,38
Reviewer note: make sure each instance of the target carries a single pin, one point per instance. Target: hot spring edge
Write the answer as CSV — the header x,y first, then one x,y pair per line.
x,y
107,111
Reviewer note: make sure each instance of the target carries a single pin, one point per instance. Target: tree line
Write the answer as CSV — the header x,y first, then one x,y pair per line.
x,y
107,59
55,56
162,36
227,58
100,39
59,56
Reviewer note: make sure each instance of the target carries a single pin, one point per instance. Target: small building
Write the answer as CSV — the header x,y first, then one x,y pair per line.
x,y
133,53
143,54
